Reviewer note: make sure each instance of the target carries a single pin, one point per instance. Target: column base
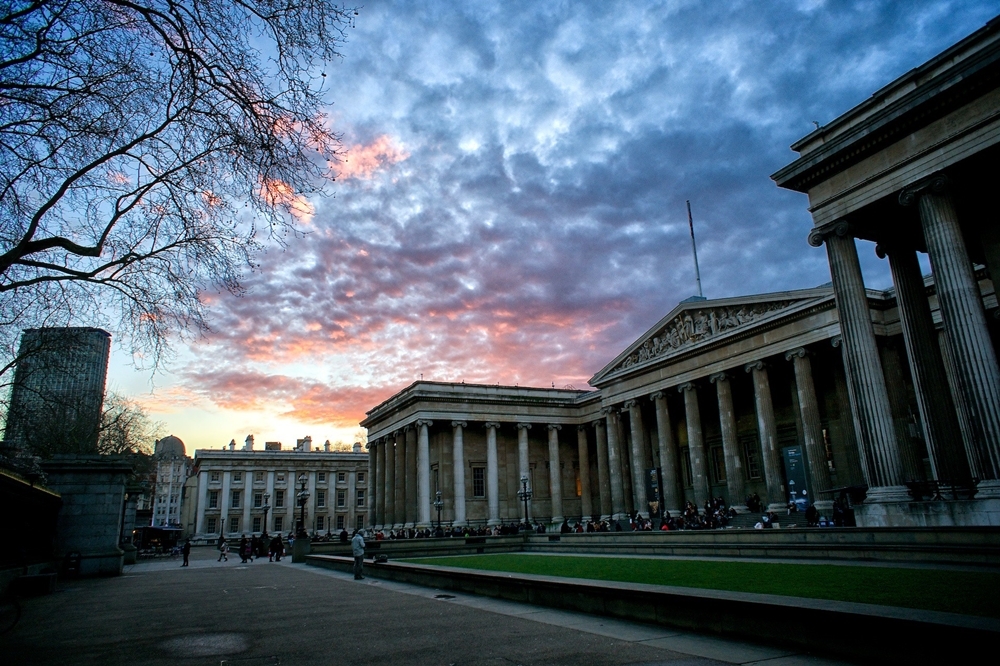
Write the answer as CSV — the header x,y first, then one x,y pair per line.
x,y
939,513
740,508
775,507
493,522
988,489
409,526
824,507
605,516
882,494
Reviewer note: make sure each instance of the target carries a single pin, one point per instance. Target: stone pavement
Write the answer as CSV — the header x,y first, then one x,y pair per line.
x,y
265,613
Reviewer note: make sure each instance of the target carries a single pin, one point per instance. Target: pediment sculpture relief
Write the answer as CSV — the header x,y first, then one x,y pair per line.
x,y
693,326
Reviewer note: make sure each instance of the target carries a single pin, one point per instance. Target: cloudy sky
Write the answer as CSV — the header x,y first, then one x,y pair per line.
x,y
512,204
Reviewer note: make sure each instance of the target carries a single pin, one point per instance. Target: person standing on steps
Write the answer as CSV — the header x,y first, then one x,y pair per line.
x,y
358,550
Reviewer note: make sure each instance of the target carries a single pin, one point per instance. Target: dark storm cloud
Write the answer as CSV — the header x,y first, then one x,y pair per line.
x,y
515,207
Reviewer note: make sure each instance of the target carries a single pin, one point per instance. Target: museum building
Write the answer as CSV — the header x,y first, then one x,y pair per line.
x,y
891,396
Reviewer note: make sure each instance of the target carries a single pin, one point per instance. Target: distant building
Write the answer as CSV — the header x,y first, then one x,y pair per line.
x,y
249,491
173,467
58,391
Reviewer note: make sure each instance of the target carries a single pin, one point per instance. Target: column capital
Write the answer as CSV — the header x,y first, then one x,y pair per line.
x,y
718,377
936,183
819,234
629,404
597,423
836,341
801,352
657,395
554,426
423,422
754,365
491,424
607,411
686,386
582,427
524,426
459,424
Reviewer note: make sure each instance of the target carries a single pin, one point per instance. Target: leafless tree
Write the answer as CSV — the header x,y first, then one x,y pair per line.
x,y
148,148
126,427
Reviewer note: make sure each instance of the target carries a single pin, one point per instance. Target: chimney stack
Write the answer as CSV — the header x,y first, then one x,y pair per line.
x,y
248,446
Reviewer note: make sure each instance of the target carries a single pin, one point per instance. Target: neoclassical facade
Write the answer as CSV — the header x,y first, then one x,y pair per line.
x,y
893,394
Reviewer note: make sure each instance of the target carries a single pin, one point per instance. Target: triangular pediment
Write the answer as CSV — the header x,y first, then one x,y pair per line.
x,y
694,323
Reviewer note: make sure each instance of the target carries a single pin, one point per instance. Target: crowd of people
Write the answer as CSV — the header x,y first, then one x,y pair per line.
x,y
273,548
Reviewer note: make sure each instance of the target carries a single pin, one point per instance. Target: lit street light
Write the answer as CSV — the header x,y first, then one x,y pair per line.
x,y
438,504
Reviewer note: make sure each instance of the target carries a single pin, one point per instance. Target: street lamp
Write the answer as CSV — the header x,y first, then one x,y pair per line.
x,y
524,494
266,507
303,495
438,504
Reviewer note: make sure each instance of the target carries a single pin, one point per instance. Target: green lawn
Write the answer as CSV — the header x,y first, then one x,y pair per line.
x,y
971,593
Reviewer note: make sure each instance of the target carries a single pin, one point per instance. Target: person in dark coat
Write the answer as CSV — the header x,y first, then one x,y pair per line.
x,y
186,551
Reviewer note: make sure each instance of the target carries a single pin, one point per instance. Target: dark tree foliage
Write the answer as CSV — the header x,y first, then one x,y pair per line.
x,y
148,148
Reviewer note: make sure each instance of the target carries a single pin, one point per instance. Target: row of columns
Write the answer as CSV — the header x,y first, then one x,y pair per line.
x,y
975,414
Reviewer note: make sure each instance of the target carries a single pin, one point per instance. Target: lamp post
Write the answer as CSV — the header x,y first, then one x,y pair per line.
x,y
438,504
524,494
303,495
266,507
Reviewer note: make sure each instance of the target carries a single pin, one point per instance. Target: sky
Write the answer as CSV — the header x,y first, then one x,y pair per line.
x,y
511,204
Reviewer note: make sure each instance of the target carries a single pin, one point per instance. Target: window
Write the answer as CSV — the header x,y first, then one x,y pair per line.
x,y
320,522
213,501
359,522
258,476
321,499
213,476
341,477
235,501
361,477
479,482
238,476
340,523
280,476
361,499
256,523
341,498
751,454
211,525
279,499
718,464
258,499
321,477
234,524
279,523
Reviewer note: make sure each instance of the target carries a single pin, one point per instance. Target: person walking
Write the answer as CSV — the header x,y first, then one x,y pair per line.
x,y
186,551
358,550
223,550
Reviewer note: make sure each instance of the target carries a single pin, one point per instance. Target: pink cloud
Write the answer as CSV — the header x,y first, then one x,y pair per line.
x,y
362,161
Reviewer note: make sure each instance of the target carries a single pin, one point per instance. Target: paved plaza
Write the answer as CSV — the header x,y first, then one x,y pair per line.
x,y
265,613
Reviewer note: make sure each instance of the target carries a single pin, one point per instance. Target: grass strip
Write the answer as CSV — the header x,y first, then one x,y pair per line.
x,y
969,593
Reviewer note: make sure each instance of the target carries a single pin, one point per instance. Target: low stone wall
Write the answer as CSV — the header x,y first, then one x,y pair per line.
x,y
854,631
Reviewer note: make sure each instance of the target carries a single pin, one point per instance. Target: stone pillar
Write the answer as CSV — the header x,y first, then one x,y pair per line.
x,y
389,490
603,478
777,497
399,501
380,484
812,430
668,456
696,444
310,523
224,502
492,476
246,526
269,490
865,379
937,409
968,337
458,471
423,475
523,464
412,514
730,442
202,502
555,474
583,455
372,469
618,509
638,437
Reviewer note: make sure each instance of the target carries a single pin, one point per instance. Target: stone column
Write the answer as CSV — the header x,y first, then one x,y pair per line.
x,y
310,523
423,475
555,474
269,490
777,497
245,523
937,409
603,478
668,455
224,502
399,501
735,483
523,464
865,379
380,484
202,502
372,469
968,337
492,476
812,430
411,477
618,509
458,471
389,490
696,444
639,466
583,455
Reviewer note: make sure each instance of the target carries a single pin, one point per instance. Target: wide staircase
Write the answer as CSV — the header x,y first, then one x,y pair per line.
x,y
748,520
